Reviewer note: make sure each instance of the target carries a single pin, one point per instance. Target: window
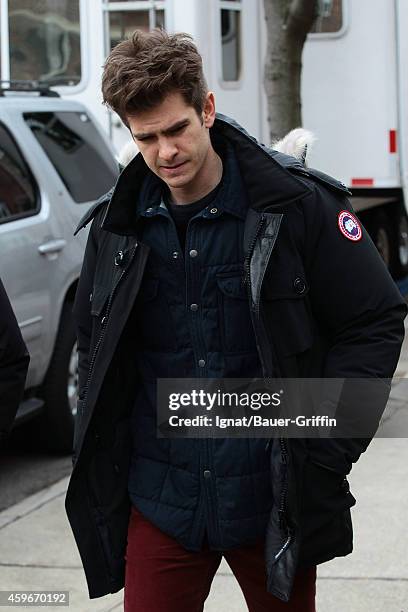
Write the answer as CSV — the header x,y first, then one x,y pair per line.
x,y
77,151
18,193
122,24
330,17
231,40
45,40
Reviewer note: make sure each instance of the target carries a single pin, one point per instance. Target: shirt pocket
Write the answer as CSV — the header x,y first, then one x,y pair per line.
x,y
154,321
236,330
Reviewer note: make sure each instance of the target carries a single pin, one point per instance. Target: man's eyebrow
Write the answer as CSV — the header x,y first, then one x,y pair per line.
x,y
169,130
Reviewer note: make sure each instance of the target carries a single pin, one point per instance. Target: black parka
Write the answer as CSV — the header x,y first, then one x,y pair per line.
x,y
321,306
14,360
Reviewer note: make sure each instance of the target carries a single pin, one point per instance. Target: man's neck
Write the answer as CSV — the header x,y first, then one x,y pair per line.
x,y
210,176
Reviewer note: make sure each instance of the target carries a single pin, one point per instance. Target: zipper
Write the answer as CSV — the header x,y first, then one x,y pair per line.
x,y
247,262
283,548
247,282
255,313
283,496
282,510
104,322
257,324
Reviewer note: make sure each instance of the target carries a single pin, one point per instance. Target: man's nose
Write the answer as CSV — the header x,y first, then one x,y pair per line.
x,y
167,150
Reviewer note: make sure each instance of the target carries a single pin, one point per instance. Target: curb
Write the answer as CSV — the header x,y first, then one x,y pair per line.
x,y
33,502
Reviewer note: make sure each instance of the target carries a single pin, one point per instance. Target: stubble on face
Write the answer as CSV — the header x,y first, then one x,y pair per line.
x,y
175,144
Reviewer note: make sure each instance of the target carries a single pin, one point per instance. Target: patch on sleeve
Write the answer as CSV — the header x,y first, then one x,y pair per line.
x,y
349,226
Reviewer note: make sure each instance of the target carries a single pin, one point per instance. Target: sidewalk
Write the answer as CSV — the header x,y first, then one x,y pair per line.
x,y
37,550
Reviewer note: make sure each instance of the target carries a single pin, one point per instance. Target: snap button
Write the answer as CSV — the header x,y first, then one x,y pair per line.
x,y
149,210
119,257
194,307
174,255
207,474
193,253
299,285
213,211
201,363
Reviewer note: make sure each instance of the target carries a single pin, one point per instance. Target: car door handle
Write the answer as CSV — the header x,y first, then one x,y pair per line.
x,y
52,246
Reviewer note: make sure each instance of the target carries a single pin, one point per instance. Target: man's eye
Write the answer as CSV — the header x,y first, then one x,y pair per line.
x,y
177,129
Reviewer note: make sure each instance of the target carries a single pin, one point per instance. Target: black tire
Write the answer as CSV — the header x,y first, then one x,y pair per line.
x,y
381,232
58,418
400,268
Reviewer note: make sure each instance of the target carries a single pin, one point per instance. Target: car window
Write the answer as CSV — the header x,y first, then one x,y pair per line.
x,y
77,151
18,192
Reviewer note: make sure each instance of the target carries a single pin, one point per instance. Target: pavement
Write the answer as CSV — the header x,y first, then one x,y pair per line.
x,y
37,549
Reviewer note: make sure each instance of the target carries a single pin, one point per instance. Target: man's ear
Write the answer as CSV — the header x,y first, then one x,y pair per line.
x,y
209,110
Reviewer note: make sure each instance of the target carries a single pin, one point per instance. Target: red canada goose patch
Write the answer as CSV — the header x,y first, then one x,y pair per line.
x,y
349,226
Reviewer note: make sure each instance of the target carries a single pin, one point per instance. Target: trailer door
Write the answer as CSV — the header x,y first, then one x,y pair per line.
x,y
233,64
401,22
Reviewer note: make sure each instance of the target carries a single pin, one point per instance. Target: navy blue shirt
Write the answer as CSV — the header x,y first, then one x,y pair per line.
x,y
192,320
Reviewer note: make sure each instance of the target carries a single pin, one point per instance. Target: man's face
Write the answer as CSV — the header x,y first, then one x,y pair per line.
x,y
174,141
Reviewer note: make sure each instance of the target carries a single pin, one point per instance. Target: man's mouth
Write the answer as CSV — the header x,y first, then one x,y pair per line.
x,y
174,167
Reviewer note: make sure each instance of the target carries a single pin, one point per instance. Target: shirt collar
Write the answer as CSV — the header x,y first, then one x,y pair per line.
x,y
231,197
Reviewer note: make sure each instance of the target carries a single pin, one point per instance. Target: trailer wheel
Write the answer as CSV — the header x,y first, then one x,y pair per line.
x,y
380,230
60,388
401,255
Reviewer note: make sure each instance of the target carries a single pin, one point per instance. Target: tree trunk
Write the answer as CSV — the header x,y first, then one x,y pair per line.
x,y
288,23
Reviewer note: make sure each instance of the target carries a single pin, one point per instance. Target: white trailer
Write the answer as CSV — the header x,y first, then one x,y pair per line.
x,y
354,82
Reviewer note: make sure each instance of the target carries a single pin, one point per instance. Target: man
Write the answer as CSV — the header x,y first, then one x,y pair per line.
x,y
214,257
14,360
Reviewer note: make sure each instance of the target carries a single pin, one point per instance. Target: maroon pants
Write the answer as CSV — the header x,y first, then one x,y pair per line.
x,y
161,576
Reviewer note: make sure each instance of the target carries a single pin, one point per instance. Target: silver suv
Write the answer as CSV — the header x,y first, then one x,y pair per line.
x,y
54,163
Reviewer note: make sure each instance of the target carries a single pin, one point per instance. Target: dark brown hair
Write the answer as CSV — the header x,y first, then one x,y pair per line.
x,y
142,70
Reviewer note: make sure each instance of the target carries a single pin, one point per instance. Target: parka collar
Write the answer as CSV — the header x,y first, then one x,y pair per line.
x,y
265,173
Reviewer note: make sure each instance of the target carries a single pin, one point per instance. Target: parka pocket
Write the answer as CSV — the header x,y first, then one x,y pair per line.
x,y
108,470
287,314
325,491
107,480
325,513
237,335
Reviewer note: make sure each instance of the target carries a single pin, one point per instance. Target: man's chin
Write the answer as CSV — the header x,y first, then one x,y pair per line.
x,y
176,182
